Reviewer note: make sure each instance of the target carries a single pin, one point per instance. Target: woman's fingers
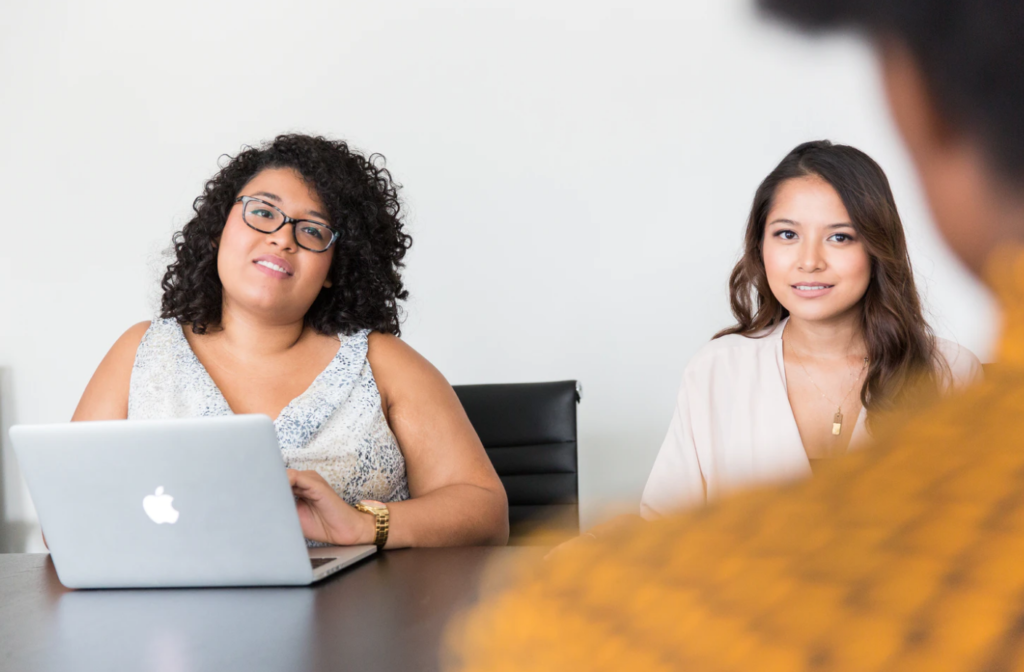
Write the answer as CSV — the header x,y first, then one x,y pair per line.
x,y
324,515
308,484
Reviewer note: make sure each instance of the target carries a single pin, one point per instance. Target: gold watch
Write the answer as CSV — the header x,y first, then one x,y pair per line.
x,y
382,518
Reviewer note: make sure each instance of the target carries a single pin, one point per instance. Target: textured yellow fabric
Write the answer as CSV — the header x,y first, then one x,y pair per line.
x,y
908,556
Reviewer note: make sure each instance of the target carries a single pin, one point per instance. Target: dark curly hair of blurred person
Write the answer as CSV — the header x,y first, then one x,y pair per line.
x,y
362,204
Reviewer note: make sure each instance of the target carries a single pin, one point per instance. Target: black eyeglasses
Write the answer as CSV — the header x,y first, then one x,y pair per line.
x,y
268,218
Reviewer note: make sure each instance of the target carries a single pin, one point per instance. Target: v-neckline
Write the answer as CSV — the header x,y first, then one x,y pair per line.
x,y
212,384
858,426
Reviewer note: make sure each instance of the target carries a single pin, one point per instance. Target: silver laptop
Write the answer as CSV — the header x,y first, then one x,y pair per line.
x,y
170,503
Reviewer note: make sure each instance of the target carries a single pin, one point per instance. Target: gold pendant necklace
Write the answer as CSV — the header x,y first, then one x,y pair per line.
x,y
837,419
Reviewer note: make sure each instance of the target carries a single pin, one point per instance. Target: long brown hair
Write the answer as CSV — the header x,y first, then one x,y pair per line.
x,y
900,344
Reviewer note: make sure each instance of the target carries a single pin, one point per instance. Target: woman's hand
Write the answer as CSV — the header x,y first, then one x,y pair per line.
x,y
324,515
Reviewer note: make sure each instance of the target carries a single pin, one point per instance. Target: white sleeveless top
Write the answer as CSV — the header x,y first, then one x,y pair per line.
x,y
336,427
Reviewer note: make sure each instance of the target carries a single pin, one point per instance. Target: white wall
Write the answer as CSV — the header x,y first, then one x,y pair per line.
x,y
577,176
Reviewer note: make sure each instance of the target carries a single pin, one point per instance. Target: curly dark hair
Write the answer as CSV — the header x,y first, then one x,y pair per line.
x,y
362,203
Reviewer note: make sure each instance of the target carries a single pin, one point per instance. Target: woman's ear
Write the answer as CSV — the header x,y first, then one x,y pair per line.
x,y
327,284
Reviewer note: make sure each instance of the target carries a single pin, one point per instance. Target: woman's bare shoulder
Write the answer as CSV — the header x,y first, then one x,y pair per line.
x,y
402,373
390,355
135,333
122,353
106,395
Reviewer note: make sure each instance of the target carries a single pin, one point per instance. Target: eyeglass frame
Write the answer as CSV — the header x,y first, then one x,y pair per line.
x,y
245,200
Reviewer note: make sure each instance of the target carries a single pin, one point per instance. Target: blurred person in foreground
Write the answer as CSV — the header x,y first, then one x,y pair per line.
x,y
907,556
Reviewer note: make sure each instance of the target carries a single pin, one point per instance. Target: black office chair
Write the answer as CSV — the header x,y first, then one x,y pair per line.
x,y
529,432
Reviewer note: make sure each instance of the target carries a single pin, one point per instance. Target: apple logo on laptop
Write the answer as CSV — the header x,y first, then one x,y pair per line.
x,y
158,507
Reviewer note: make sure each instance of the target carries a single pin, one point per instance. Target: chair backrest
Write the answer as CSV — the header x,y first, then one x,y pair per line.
x,y
529,432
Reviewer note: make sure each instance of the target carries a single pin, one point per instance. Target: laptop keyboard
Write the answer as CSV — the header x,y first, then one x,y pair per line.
x,y
320,562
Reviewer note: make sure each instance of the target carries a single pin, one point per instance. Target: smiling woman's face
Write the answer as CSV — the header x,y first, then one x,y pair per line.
x,y
267,273
817,267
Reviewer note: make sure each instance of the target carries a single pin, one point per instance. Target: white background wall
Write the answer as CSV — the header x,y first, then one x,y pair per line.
x,y
577,176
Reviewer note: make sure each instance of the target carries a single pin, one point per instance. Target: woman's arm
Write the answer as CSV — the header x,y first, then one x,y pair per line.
x,y
676,480
106,395
457,498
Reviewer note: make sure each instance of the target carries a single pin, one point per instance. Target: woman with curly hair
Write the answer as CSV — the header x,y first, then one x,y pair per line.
x,y
283,300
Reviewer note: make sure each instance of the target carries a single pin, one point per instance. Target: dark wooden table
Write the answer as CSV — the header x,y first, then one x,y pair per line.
x,y
386,613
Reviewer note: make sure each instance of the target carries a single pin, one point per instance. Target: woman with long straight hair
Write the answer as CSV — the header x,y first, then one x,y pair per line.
x,y
830,335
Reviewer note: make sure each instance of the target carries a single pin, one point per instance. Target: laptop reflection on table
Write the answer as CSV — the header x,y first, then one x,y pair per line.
x,y
266,629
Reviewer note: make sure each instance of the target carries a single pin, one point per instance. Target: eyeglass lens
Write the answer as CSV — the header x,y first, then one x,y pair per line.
x,y
266,219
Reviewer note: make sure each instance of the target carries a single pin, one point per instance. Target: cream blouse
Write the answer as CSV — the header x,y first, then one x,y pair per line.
x,y
733,426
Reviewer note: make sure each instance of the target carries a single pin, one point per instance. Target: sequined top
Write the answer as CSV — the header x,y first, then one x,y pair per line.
x,y
906,556
336,427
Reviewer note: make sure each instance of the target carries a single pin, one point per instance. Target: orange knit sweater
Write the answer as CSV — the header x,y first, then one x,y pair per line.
x,y
908,556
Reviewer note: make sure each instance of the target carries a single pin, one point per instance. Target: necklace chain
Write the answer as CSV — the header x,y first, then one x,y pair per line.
x,y
820,391
837,421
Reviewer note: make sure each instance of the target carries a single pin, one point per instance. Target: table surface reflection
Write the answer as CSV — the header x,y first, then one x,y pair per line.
x,y
387,612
